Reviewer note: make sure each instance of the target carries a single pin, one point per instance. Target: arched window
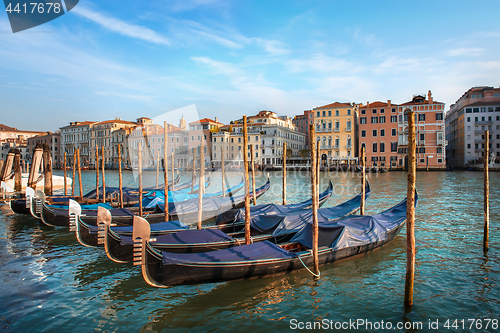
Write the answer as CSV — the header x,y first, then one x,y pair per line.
x,y
337,124
337,142
329,140
349,140
330,124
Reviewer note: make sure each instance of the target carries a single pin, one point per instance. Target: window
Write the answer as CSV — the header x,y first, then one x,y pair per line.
x,y
374,111
337,112
476,118
382,147
374,120
394,119
363,111
422,160
468,145
374,148
317,114
421,117
382,132
439,116
393,132
363,133
440,160
329,113
374,133
362,120
439,150
422,136
393,110
348,112
468,110
382,119
394,146
421,150
382,110
468,119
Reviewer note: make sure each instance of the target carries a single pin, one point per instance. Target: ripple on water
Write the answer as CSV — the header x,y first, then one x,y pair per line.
x,y
50,283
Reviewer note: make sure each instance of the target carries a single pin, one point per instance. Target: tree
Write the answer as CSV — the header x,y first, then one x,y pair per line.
x,y
305,153
288,152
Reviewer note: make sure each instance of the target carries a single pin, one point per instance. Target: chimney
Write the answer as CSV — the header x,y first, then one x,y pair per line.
x,y
367,102
389,102
429,96
216,120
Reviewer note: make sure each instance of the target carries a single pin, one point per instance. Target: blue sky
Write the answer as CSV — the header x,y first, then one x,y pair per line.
x,y
130,59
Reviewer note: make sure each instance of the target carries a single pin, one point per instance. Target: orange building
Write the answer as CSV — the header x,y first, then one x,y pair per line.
x,y
378,133
430,130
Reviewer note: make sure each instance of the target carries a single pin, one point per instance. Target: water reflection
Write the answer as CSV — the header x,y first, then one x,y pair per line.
x,y
48,280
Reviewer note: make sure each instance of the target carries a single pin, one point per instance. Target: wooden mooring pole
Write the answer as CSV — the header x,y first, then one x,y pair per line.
x,y
65,182
173,173
202,183
78,165
363,182
73,183
165,171
314,194
284,173
47,169
223,168
486,191
18,184
139,166
97,171
194,170
247,185
410,212
120,179
103,177
253,175
157,168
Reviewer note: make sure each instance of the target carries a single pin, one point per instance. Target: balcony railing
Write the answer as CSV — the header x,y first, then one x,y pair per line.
x,y
324,130
336,147
348,129
348,147
325,147
336,129
485,122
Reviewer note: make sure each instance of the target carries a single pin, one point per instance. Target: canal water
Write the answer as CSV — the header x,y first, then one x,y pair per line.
x,y
50,283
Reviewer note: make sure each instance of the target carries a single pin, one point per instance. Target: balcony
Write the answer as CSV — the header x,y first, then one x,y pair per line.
x,y
348,129
348,147
479,149
325,147
336,147
324,130
336,129
486,122
479,131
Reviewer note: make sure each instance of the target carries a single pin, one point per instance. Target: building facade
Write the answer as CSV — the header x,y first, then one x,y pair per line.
x,y
101,136
336,126
476,111
302,123
76,136
54,142
430,131
200,132
378,133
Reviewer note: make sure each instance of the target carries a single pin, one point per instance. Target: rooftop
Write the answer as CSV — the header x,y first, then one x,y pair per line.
x,y
334,105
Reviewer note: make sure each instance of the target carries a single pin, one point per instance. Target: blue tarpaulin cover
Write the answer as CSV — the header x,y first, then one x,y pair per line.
x,y
155,227
354,231
294,221
255,251
237,215
187,237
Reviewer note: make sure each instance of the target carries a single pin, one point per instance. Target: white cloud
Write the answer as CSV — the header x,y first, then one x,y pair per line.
x,y
464,51
121,27
273,47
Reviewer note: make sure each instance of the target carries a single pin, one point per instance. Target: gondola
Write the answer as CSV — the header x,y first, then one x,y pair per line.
x,y
237,215
88,234
337,240
278,228
57,215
